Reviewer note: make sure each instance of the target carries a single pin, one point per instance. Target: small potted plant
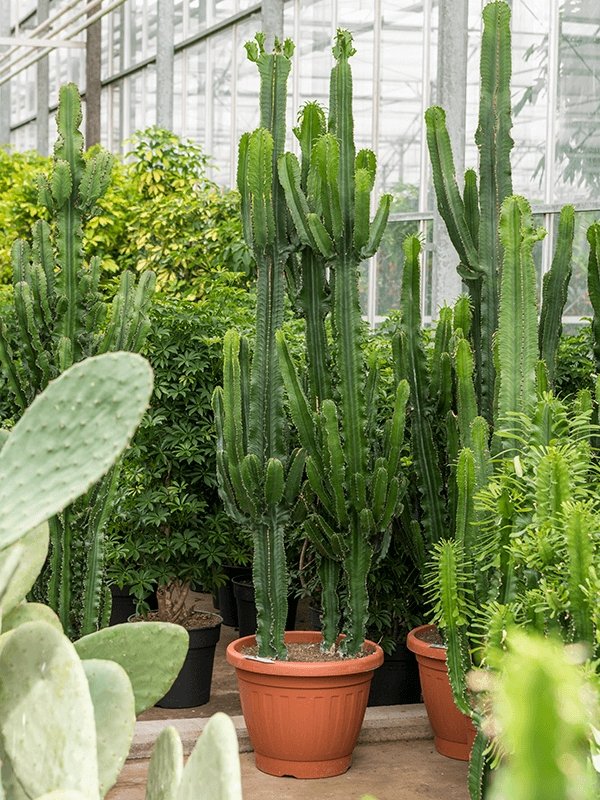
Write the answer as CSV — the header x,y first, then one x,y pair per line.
x,y
354,484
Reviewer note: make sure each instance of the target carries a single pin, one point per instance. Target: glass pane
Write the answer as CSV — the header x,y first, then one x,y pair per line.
x,y
247,114
313,58
390,260
401,101
578,303
195,92
578,100
220,147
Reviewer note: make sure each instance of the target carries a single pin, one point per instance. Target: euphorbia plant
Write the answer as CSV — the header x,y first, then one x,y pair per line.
x,y
355,482
62,317
259,479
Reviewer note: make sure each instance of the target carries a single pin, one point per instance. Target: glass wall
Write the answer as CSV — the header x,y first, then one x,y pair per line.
x,y
556,97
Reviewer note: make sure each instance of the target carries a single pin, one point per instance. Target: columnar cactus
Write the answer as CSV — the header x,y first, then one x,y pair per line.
x,y
493,358
442,397
354,481
472,218
258,480
593,236
62,317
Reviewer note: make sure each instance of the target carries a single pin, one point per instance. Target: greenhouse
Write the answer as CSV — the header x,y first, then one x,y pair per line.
x,y
299,399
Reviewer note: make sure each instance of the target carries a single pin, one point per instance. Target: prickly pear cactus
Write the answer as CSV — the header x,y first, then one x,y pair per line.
x,y
66,724
62,317
151,653
212,771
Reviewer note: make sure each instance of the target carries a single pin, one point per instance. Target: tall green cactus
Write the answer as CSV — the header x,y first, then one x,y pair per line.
x,y
442,397
473,217
593,237
62,317
258,480
517,326
355,482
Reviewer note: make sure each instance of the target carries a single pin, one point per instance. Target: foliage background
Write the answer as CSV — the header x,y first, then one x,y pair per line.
x,y
169,523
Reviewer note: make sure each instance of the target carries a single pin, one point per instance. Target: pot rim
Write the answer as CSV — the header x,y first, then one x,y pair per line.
x,y
348,666
421,648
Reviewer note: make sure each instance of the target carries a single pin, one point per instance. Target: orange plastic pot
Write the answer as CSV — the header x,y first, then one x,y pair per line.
x,y
453,731
303,718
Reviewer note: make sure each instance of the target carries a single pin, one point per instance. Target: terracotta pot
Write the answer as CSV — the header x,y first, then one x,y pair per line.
x,y
303,717
453,732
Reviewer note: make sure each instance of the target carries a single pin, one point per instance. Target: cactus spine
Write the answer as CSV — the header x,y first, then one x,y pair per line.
x,y
259,482
356,486
62,318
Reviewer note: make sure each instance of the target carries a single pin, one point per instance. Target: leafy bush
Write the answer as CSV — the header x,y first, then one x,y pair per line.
x,y
163,213
169,525
19,207
575,364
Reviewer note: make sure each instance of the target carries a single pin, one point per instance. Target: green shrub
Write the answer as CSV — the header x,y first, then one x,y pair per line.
x,y
162,213
169,525
19,207
575,364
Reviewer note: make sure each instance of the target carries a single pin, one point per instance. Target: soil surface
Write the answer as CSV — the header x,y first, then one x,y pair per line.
x,y
310,651
193,620
431,636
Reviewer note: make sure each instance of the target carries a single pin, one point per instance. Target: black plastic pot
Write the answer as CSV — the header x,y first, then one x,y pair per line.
x,y
396,681
123,604
246,607
226,598
192,686
314,619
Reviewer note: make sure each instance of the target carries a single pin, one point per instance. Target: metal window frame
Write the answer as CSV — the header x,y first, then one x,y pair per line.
x,y
548,209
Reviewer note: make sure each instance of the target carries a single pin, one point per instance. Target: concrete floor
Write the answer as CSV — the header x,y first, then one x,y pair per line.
x,y
387,770
410,770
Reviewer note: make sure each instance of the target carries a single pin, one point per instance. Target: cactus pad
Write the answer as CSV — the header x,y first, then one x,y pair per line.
x,y
166,766
151,653
47,729
114,712
71,434
33,548
212,771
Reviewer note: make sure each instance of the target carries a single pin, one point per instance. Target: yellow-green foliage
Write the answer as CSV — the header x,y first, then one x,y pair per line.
x,y
162,212
19,207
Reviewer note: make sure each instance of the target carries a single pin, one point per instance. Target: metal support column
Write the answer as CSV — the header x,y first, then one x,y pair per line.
x,y
42,88
5,31
272,20
165,61
452,96
93,82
